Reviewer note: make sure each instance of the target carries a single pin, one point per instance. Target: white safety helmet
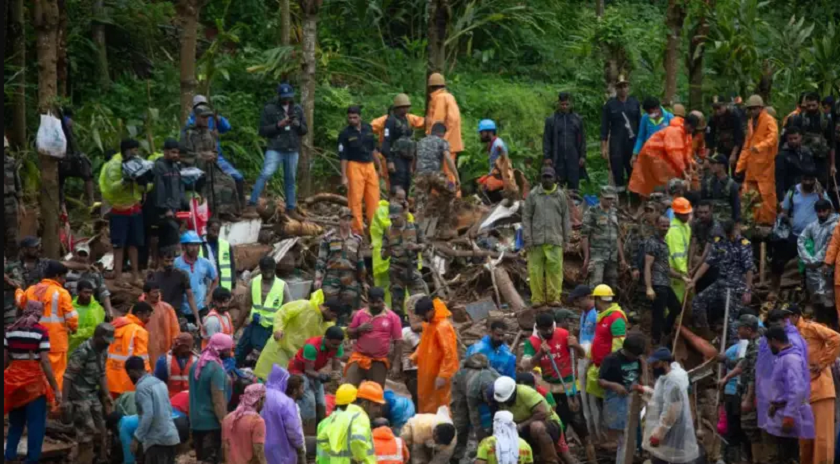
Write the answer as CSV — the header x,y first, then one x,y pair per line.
x,y
503,389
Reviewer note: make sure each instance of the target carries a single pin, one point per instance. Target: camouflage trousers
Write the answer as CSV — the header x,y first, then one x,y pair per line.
x,y
220,190
345,286
404,283
714,297
88,417
433,192
603,271
10,227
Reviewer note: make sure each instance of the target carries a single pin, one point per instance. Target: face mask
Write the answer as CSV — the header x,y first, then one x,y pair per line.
x,y
659,372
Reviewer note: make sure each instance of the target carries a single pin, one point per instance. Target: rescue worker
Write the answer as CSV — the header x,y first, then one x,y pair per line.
x,y
724,134
679,241
443,107
297,322
402,242
268,294
504,446
389,448
546,227
564,143
733,257
345,436
378,125
377,332
758,158
381,223
12,283
812,246
81,267
610,332
433,192
220,125
499,183
436,357
818,135
130,339
654,120
201,275
91,314
219,252
704,229
538,424
793,160
722,191
218,320
285,444
430,438
469,407
398,146
309,362
659,281
356,148
173,368
823,349
86,392
169,197
340,269
603,249
284,124
666,155
12,204
501,358
619,127
31,265
200,149
163,327
832,263
60,318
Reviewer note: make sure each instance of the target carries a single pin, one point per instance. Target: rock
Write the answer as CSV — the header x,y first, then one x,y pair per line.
x,y
248,256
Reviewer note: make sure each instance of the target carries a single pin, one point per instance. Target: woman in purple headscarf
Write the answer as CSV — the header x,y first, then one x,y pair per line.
x,y
285,444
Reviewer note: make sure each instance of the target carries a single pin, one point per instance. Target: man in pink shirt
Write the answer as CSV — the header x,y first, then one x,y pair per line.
x,y
375,329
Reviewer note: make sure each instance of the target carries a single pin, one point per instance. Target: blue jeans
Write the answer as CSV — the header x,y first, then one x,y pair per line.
x,y
34,417
228,168
255,337
313,396
272,163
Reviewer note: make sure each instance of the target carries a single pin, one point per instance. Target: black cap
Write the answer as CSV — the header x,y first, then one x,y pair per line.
x,y
171,144
565,314
661,354
580,291
30,242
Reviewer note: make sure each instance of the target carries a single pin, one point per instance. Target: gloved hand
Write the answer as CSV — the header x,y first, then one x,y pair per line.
x,y
324,378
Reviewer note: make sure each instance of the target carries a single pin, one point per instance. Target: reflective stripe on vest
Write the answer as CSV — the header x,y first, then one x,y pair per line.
x,y
225,270
54,318
180,380
397,457
124,358
224,322
272,303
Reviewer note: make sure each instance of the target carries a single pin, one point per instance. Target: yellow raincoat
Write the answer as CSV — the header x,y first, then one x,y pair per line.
x,y
436,356
678,240
345,437
381,222
299,321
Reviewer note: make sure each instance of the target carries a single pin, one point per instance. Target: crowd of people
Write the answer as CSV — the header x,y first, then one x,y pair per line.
x,y
250,384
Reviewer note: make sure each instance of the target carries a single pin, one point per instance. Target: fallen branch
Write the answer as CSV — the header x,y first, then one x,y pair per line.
x,y
326,198
508,291
450,252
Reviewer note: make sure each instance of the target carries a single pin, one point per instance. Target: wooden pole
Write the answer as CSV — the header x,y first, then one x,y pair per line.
x,y
762,264
723,341
630,429
679,325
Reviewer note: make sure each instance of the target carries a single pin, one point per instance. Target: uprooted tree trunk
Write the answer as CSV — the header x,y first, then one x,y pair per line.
x,y
696,54
188,14
18,41
45,19
310,9
674,19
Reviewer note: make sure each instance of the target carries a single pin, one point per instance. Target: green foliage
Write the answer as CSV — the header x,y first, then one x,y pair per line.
x,y
738,33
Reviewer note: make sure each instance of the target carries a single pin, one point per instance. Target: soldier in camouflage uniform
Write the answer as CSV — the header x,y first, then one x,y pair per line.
x,y
200,149
603,251
402,242
340,270
398,144
732,255
818,135
12,280
432,152
85,392
12,193
722,191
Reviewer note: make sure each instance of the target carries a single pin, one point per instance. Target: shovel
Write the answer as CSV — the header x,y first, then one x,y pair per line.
x,y
574,404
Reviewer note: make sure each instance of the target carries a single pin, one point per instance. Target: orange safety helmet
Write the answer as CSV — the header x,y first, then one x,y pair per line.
x,y
681,205
371,391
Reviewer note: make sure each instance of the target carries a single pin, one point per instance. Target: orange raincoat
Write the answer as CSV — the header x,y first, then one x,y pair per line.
x,y
436,356
130,339
760,165
443,108
832,258
378,125
666,155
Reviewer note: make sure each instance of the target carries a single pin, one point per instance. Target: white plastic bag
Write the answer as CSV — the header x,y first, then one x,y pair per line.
x,y
50,140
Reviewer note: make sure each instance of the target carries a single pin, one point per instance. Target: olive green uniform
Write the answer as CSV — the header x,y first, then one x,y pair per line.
x,y
403,272
341,268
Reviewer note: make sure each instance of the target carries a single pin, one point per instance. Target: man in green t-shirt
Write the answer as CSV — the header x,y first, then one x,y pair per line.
x,y
504,445
210,391
536,422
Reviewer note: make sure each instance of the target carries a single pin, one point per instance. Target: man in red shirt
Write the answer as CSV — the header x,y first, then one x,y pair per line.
x,y
610,332
375,330
308,362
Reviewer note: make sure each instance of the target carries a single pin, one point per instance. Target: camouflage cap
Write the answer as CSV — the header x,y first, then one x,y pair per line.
x,y
608,191
395,210
345,213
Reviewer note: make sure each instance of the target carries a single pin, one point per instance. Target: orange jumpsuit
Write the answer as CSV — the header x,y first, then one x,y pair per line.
x,y
823,349
378,124
443,108
832,258
666,155
436,356
760,165
60,318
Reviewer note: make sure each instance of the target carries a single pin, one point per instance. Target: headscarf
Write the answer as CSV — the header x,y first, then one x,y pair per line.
x,y
183,340
32,314
248,402
219,343
507,438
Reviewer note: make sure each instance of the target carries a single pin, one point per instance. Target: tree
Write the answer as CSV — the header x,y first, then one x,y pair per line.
x,y
697,52
599,8
45,20
285,23
18,40
98,10
62,65
438,24
188,13
674,19
310,9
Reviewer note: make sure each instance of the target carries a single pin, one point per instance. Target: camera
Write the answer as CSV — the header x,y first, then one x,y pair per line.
x,y
138,171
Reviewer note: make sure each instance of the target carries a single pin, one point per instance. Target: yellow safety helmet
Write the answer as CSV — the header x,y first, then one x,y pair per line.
x,y
346,394
436,80
603,291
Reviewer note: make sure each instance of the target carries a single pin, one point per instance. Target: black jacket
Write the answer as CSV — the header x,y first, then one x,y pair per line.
x,y
169,190
790,164
286,139
564,143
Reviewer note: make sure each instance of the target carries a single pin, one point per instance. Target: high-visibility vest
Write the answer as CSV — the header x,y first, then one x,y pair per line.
x,y
130,339
224,320
388,450
342,435
179,379
268,308
59,318
225,265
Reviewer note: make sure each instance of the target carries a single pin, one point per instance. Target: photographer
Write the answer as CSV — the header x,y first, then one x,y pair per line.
x,y
123,190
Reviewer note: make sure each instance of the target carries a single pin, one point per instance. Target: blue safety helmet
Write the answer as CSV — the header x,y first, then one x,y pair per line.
x,y
486,125
285,91
190,238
